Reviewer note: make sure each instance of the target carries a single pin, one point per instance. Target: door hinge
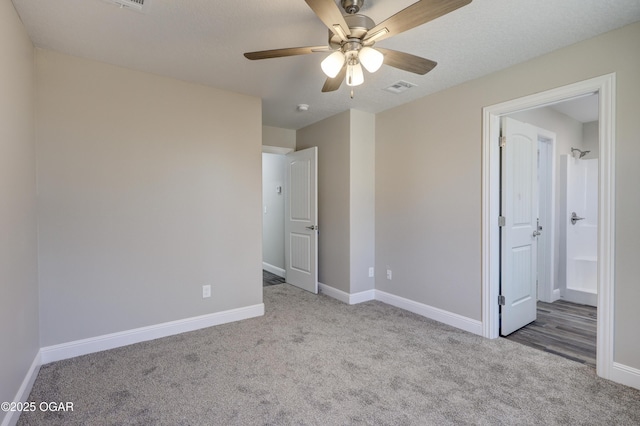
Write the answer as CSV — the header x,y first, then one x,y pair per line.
x,y
503,141
502,221
501,300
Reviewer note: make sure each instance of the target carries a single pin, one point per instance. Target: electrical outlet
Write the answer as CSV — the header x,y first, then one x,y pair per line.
x,y
206,291
371,272
389,274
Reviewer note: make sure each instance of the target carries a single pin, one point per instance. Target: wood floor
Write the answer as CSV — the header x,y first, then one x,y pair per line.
x,y
562,328
270,279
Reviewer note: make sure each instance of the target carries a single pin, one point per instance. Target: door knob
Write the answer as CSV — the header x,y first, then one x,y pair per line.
x,y
575,218
536,233
312,227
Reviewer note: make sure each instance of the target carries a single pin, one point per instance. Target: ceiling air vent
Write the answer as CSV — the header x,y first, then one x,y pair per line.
x,y
400,87
139,5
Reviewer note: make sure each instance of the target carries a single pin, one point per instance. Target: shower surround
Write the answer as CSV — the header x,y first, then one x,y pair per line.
x,y
580,230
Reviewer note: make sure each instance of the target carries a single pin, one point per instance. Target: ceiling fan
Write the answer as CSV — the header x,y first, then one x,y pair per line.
x,y
352,36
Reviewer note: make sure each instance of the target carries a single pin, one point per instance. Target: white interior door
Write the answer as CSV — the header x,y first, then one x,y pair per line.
x,y
519,208
301,220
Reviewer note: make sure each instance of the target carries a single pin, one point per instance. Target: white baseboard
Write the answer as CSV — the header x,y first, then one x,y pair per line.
x,y
555,295
348,298
440,315
626,375
334,292
129,337
363,296
437,314
11,417
274,270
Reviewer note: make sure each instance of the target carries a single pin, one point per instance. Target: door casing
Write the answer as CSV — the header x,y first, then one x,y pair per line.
x,y
605,87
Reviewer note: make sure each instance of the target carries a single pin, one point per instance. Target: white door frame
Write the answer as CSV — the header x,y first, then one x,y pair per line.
x,y
605,86
548,139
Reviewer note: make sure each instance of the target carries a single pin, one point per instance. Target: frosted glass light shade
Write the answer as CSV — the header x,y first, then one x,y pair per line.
x,y
332,64
355,77
370,58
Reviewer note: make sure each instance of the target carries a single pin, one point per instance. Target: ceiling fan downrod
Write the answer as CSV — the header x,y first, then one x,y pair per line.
x,y
352,6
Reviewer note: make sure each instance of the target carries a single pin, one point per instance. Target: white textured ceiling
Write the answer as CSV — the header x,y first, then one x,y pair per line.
x,y
203,41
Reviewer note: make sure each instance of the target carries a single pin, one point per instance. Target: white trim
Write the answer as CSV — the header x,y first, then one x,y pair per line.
x,y
348,298
11,417
440,315
626,375
363,296
274,270
142,334
606,227
267,149
605,86
340,295
549,138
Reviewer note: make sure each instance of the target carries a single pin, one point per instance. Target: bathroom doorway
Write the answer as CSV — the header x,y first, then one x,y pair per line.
x,y
567,166
564,321
604,87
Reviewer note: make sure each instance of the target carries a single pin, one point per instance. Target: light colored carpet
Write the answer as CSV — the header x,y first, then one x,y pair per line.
x,y
312,360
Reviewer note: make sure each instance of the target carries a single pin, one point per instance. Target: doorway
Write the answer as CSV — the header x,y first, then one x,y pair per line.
x,y
273,181
563,320
604,86
290,217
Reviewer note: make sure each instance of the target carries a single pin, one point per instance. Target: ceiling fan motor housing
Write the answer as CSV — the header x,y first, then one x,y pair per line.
x,y
352,6
358,25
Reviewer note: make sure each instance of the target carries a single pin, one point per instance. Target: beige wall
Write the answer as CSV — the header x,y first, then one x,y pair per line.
x,y
331,136
346,193
362,199
18,238
149,189
591,139
428,189
276,136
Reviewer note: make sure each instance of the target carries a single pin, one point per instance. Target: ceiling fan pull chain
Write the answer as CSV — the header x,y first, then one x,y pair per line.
x,y
351,93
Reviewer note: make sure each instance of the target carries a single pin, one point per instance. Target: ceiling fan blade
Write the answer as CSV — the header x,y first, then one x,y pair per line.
x,y
334,83
407,61
279,53
330,15
415,15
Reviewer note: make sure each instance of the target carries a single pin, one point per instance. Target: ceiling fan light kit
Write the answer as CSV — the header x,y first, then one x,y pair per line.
x,y
333,63
355,76
370,58
352,36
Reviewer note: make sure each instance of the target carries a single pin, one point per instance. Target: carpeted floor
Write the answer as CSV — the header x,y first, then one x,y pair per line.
x,y
312,360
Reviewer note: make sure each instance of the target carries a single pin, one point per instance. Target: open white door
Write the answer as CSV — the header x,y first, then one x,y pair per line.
x,y
301,220
519,230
